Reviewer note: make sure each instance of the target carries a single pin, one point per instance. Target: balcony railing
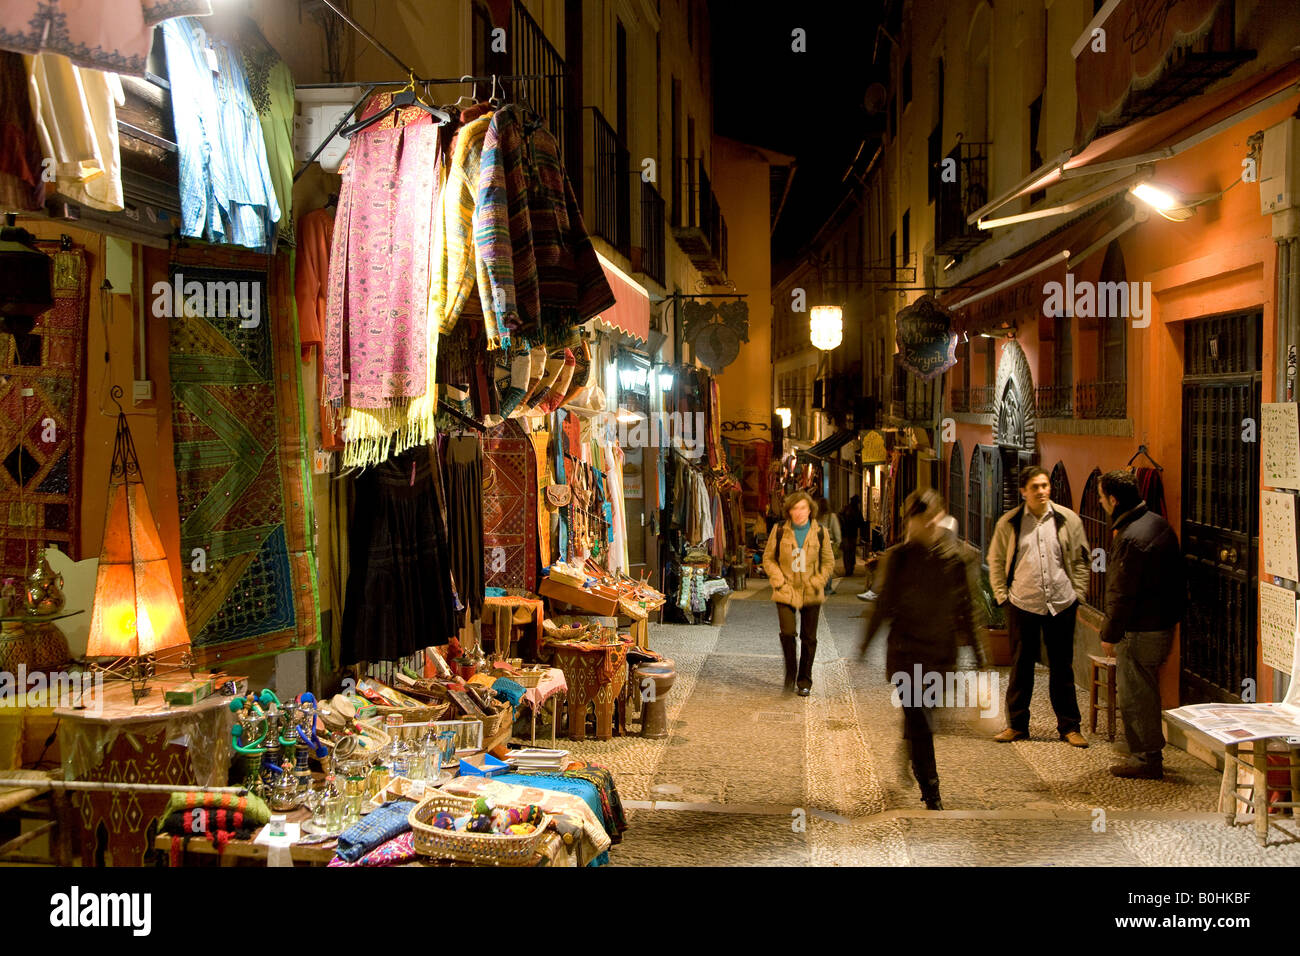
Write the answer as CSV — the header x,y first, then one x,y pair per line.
x,y
1101,400
533,55
698,224
653,215
611,192
959,399
957,200
1054,401
981,399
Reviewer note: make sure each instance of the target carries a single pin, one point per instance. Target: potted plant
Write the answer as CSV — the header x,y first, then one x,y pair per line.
x,y
997,637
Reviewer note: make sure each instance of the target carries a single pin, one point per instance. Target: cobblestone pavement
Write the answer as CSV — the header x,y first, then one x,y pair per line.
x,y
748,776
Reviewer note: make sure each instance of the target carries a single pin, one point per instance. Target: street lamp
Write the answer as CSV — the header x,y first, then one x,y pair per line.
x,y
785,415
826,325
1164,201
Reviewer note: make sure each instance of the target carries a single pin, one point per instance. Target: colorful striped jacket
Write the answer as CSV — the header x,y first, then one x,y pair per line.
x,y
455,262
541,267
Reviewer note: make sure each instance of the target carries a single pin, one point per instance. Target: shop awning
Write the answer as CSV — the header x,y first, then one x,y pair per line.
x,y
1162,136
631,311
829,447
1014,289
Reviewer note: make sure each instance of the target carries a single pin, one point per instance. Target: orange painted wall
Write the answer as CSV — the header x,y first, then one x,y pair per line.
x,y
1222,260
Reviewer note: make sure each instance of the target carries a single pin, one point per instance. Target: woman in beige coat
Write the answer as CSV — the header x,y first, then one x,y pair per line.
x,y
798,561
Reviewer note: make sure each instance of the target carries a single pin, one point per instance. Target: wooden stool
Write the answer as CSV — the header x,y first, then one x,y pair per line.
x,y
1103,676
1255,763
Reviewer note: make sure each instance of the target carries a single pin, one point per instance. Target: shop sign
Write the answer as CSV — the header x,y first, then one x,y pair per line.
x,y
873,448
926,342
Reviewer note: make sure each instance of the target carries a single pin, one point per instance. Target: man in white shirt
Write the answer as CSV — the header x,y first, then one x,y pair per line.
x,y
1038,569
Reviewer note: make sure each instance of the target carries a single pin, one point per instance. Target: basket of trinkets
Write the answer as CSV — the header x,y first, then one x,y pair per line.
x,y
470,830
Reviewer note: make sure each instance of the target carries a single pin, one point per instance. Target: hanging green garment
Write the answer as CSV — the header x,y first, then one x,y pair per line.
x,y
270,86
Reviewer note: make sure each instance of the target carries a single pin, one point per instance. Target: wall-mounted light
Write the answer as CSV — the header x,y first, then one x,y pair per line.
x,y
627,417
633,378
666,380
826,326
1163,200
785,415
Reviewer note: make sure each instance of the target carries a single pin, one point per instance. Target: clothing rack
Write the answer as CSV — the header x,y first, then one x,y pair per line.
x,y
369,87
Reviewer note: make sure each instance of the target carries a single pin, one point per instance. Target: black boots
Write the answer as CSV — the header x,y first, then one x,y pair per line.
x,y
930,795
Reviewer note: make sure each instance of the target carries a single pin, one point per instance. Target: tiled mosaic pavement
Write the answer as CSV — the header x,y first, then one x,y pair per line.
x,y
750,777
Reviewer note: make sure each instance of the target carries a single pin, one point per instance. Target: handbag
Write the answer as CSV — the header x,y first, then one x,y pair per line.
x,y
557,495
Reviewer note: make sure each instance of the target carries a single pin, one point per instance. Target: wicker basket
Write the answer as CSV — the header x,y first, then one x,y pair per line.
x,y
563,632
527,679
487,849
413,715
495,723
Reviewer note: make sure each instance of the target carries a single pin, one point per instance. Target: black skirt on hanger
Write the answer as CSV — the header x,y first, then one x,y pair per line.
x,y
463,467
399,595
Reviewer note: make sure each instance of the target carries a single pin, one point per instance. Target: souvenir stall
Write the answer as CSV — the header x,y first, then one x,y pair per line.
x,y
425,430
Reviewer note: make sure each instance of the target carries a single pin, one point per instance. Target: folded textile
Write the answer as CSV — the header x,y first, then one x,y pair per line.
x,y
378,828
399,849
254,809
509,690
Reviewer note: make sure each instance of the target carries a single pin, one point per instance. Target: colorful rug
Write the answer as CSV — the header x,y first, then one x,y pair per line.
x,y
237,426
750,461
41,433
509,508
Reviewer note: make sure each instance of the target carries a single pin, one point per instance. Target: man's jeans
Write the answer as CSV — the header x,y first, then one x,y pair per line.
x,y
1137,663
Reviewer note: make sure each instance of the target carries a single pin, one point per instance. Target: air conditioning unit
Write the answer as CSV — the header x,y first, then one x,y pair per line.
x,y
1277,167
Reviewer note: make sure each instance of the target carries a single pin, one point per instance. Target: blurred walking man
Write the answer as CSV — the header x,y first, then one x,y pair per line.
x,y
1038,562
1146,590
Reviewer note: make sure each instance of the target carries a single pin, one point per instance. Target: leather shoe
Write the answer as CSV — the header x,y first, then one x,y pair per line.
x,y
805,691
935,804
1009,735
1138,771
1075,739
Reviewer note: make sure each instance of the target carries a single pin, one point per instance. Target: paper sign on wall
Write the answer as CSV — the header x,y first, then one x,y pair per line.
x,y
1280,445
1279,538
1277,622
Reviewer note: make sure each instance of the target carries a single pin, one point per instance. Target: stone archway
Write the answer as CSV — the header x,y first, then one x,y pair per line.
x,y
1014,412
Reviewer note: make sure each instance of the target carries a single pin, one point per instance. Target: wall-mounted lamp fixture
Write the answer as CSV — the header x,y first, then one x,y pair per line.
x,y
1164,200
785,415
826,326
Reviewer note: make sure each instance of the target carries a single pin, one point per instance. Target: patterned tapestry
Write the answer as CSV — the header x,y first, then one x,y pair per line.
x,y
237,428
41,433
750,461
509,508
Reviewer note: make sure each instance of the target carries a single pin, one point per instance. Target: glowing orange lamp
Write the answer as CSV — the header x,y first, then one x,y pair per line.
x,y
136,613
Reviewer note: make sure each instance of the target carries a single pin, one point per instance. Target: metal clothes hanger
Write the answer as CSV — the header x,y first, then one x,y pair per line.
x,y
473,97
494,100
403,98
1142,451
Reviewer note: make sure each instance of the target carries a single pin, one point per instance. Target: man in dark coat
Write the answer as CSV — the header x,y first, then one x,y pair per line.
x,y
926,596
1146,591
850,530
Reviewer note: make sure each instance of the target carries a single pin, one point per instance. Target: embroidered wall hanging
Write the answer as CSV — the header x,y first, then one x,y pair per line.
x,y
237,427
41,434
509,508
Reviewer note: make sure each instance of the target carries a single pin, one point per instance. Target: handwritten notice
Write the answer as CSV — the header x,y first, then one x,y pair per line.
x,y
1279,539
1277,621
1280,445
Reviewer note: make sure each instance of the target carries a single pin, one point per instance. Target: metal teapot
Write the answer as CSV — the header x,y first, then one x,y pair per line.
x,y
43,589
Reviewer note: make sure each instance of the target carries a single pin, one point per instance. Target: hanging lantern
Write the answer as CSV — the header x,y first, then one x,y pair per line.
x,y
826,324
136,613
785,415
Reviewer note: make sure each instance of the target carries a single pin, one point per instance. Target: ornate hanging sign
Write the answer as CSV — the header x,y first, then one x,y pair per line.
x,y
927,344
715,330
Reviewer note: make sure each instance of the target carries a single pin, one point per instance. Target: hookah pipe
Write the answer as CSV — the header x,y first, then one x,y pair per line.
x,y
319,749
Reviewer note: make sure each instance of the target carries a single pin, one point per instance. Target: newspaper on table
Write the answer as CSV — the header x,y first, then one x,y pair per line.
x,y
1238,723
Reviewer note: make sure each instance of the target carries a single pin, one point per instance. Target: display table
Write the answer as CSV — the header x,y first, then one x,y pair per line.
x,y
551,688
595,674
149,742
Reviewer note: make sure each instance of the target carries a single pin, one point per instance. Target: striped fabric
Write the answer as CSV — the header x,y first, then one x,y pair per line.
x,y
454,257
536,252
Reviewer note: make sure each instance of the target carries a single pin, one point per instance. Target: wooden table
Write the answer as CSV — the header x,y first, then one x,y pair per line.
x,y
115,739
1255,762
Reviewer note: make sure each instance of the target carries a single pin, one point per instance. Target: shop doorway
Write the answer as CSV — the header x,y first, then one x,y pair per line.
x,y
1220,506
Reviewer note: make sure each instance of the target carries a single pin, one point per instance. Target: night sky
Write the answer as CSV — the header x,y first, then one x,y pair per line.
x,y
808,105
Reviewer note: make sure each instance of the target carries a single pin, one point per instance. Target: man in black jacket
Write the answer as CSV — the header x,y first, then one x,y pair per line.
x,y
1146,591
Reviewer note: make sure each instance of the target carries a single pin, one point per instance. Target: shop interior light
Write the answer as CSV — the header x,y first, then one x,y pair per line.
x,y
826,326
785,415
1164,201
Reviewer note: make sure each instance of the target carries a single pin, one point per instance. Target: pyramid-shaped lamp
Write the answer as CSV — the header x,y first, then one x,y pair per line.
x,y
136,613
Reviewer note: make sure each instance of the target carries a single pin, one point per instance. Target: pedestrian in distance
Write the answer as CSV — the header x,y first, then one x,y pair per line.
x,y
798,561
1038,564
831,522
1146,592
851,524
925,595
